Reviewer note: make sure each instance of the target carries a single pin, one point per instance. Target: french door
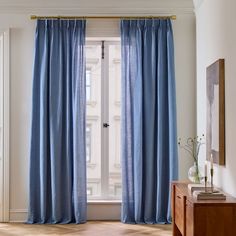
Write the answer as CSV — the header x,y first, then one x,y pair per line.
x,y
103,91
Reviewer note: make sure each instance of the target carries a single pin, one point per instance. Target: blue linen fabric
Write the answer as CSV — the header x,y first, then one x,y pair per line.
x,y
57,155
149,140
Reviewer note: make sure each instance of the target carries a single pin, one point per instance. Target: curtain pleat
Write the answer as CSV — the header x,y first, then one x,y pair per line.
x,y
149,140
57,155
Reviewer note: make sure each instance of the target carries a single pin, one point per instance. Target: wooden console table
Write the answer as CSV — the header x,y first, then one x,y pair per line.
x,y
191,217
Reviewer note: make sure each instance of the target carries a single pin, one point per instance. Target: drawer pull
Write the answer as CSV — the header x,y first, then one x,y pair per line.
x,y
178,197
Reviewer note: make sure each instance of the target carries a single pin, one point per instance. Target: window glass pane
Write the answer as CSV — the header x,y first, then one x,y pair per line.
x,y
88,77
117,191
88,84
89,191
88,143
93,119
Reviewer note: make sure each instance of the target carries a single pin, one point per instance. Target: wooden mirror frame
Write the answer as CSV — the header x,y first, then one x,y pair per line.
x,y
215,135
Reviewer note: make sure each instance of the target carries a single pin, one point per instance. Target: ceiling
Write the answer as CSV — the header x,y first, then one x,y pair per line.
x,y
96,6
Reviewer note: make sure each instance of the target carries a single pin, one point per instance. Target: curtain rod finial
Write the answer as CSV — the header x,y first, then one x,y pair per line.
x,y
173,17
33,17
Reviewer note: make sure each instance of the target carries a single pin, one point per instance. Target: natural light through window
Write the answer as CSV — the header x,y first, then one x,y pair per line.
x,y
88,84
103,120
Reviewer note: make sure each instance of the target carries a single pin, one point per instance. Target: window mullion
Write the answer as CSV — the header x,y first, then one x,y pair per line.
x,y
105,119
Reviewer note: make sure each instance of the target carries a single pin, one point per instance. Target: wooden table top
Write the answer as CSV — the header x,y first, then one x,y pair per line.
x,y
183,187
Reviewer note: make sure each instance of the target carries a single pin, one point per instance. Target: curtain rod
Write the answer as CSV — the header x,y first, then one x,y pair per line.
x,y
34,17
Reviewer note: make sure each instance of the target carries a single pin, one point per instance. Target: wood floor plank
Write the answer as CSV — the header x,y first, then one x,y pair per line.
x,y
91,228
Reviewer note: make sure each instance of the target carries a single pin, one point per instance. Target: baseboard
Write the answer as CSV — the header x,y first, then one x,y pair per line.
x,y
96,211
104,211
18,215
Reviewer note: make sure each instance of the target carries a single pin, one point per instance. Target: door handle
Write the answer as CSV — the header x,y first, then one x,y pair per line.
x,y
105,125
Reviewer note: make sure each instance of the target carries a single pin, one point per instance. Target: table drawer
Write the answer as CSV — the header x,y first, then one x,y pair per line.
x,y
180,200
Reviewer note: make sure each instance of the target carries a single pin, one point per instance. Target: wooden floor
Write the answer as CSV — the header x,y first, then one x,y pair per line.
x,y
91,228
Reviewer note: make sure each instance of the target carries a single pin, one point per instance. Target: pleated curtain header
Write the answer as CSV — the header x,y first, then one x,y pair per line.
x,y
146,23
59,23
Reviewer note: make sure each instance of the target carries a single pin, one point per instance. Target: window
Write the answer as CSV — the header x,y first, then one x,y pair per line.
x,y
88,84
103,120
117,190
89,191
88,143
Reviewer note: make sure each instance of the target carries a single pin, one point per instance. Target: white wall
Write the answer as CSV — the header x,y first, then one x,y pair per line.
x,y
21,50
216,37
21,60
185,69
